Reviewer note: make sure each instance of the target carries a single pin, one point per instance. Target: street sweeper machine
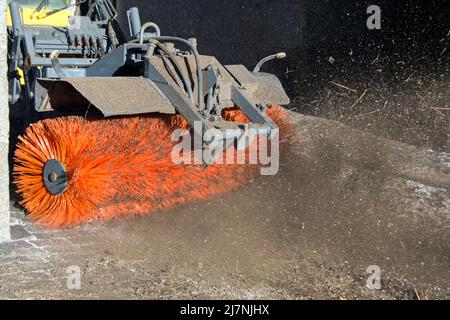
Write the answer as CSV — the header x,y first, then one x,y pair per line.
x,y
108,100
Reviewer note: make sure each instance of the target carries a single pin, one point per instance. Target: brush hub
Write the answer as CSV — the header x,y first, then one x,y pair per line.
x,y
55,177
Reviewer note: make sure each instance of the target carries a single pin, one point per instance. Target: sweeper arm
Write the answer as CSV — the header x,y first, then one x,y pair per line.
x,y
68,57
83,68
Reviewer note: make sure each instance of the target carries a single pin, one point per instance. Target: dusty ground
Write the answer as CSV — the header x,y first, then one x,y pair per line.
x,y
344,201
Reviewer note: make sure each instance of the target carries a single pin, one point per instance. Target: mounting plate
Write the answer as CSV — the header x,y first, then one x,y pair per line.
x,y
55,177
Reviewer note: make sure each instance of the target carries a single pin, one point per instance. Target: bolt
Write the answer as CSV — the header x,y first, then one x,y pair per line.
x,y
53,177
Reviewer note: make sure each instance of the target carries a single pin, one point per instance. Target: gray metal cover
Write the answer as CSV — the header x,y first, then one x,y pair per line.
x,y
270,90
115,96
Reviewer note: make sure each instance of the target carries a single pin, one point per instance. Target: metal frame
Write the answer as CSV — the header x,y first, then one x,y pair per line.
x,y
197,87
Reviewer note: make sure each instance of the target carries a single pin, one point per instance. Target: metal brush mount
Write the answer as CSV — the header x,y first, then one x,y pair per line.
x,y
65,71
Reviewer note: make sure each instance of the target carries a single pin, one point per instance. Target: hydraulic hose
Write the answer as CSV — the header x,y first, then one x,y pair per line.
x,y
172,58
197,62
186,43
172,72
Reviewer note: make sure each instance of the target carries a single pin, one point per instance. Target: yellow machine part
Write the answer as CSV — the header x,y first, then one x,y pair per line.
x,y
42,18
22,79
58,19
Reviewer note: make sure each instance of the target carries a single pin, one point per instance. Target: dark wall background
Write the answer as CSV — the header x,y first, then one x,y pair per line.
x,y
244,31
234,30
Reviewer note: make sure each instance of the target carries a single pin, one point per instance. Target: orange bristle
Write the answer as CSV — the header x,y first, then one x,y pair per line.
x,y
118,167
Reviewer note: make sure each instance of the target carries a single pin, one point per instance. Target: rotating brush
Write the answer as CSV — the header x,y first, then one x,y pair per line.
x,y
70,170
